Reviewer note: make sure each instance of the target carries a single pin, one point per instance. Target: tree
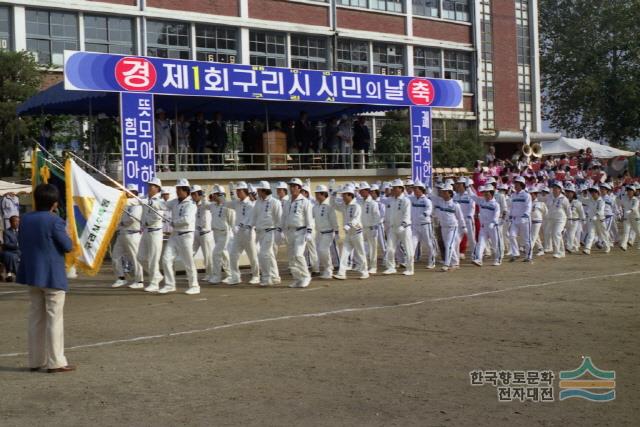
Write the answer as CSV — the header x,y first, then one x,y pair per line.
x,y
19,79
590,59
394,135
458,149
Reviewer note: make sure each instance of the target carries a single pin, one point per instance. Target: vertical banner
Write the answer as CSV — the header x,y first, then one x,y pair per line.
x,y
421,144
138,153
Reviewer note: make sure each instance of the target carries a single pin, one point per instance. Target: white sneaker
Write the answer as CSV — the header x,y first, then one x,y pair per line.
x,y
214,281
254,281
340,276
496,264
193,290
166,289
540,253
295,284
373,271
444,268
624,248
364,275
462,256
586,252
136,285
276,281
390,271
476,262
230,281
607,249
119,283
431,267
152,288
265,284
325,276
305,282
408,273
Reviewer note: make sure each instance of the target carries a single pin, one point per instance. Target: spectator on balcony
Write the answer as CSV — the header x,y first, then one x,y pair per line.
x,y
182,133
305,134
219,139
345,134
251,140
361,140
198,132
491,155
163,138
332,142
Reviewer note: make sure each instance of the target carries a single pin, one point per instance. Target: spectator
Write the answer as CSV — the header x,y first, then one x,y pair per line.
x,y
491,155
218,137
44,241
251,140
305,135
345,133
10,207
198,133
332,142
361,140
11,249
163,138
181,131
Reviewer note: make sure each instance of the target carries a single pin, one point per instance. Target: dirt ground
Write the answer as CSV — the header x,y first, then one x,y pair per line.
x,y
392,351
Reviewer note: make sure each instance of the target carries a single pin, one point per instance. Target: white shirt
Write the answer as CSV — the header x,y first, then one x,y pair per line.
x,y
467,204
267,213
370,212
421,210
559,208
297,213
325,217
449,214
399,211
183,215
131,217
151,219
630,208
222,217
595,209
203,217
10,207
520,205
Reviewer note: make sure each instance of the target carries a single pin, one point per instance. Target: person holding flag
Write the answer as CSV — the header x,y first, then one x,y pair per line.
x,y
128,241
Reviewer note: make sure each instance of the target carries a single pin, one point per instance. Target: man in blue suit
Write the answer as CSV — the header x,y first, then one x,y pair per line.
x,y
44,241
10,248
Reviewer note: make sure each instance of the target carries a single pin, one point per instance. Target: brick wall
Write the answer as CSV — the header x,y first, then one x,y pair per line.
x,y
214,7
124,2
505,65
442,31
370,21
278,10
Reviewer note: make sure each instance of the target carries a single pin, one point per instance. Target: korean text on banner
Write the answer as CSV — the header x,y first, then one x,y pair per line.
x,y
137,123
421,144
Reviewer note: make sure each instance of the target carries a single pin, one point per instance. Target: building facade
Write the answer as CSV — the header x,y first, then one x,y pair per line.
x,y
490,45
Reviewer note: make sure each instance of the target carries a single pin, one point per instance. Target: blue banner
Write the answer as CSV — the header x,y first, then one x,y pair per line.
x,y
117,73
421,144
137,124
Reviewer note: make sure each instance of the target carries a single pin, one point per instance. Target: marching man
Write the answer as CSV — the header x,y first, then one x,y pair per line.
x,y
151,243
574,222
398,214
421,213
539,212
520,217
180,244
222,221
453,226
128,241
629,205
370,224
559,210
489,231
468,208
267,217
244,239
297,222
326,225
353,239
203,236
595,214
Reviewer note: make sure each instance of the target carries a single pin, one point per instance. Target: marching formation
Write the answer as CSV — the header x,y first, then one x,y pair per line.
x,y
329,232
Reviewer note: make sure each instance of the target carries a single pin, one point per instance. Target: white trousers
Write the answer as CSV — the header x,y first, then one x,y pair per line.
x,y
243,241
596,231
370,236
267,256
627,226
220,255
46,328
399,236
127,247
451,240
556,244
163,151
353,243
326,244
296,245
424,239
572,235
489,234
612,229
536,241
471,232
179,245
521,227
312,254
149,255
205,242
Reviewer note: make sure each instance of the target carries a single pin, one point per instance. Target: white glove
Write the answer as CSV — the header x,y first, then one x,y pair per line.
x,y
308,237
347,227
236,229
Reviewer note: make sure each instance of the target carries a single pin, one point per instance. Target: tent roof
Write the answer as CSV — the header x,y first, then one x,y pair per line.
x,y
570,145
56,101
10,187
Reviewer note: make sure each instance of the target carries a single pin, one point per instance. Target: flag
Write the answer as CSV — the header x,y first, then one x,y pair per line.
x,y
46,171
93,212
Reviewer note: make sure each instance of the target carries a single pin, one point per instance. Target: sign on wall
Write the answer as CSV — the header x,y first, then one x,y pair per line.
x,y
137,125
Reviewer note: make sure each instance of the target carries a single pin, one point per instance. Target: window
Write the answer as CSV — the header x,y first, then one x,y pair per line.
x,y
426,8
216,44
387,5
427,62
49,34
168,39
353,55
308,52
268,49
354,3
457,66
5,28
458,10
388,58
108,34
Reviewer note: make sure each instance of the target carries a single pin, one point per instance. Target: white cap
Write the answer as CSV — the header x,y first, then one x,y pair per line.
x,y
570,187
183,182
447,187
397,183
520,179
155,181
486,188
196,188
165,192
606,185
348,188
306,188
419,184
386,185
462,180
490,180
364,185
322,188
295,181
558,184
263,185
218,189
252,189
408,182
595,188
544,189
132,187
534,189
503,187
448,181
375,187
282,185
241,185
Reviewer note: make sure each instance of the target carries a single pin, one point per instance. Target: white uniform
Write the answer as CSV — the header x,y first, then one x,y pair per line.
x,y
422,227
539,212
326,225
520,216
489,232
370,214
574,226
595,215
353,239
222,222
10,207
398,217
151,244
267,217
610,211
203,237
381,230
468,209
559,211
311,252
453,226
244,240
504,215
180,244
128,242
631,219
297,223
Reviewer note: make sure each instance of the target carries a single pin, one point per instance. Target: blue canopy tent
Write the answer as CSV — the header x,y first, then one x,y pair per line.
x,y
58,101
